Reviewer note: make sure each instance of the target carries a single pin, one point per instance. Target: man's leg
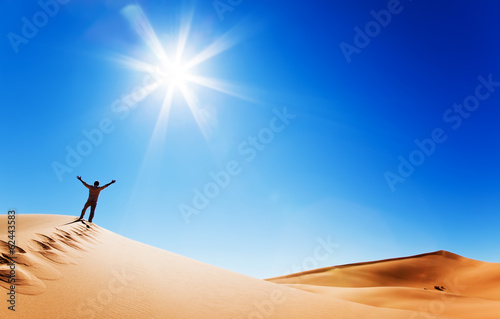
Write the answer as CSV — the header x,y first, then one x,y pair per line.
x,y
87,204
92,210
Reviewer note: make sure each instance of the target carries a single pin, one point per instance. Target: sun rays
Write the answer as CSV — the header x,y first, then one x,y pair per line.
x,y
176,73
177,68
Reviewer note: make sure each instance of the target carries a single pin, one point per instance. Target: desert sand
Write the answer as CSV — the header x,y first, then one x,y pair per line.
x,y
71,271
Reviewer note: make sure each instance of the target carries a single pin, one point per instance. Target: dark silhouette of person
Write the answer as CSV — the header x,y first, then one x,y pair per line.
x,y
93,196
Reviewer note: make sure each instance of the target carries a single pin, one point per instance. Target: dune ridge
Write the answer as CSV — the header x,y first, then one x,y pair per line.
x,y
436,283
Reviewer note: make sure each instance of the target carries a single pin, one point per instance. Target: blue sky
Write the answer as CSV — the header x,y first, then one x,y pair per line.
x,y
320,175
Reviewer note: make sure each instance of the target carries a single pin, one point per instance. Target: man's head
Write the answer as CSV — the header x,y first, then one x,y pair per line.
x,y
96,183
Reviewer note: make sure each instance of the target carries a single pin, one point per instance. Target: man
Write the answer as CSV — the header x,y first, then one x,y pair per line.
x,y
93,196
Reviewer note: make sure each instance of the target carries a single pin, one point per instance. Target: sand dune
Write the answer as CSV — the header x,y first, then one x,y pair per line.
x,y
434,283
71,271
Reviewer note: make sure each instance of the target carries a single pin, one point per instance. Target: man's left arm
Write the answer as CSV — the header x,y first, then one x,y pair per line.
x,y
112,182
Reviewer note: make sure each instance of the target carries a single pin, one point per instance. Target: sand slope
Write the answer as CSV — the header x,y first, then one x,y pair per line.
x,y
434,283
70,271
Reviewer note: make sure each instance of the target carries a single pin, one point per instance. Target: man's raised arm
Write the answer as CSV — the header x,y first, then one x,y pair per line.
x,y
85,184
112,182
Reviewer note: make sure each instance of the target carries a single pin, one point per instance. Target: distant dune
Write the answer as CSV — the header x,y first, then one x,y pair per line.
x,y
71,271
435,283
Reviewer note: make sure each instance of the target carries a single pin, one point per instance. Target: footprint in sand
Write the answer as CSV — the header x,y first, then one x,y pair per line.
x,y
4,248
56,244
50,253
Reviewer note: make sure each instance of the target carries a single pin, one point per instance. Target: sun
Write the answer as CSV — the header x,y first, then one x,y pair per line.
x,y
174,73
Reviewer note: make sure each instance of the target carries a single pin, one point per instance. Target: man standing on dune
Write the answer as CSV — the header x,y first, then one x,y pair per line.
x,y
93,196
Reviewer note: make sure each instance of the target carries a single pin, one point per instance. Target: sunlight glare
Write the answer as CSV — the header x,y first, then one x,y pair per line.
x,y
175,71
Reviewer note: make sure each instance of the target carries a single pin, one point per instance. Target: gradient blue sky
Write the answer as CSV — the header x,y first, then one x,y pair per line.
x,y
321,177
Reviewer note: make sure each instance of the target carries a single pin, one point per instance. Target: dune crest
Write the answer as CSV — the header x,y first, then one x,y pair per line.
x,y
436,283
